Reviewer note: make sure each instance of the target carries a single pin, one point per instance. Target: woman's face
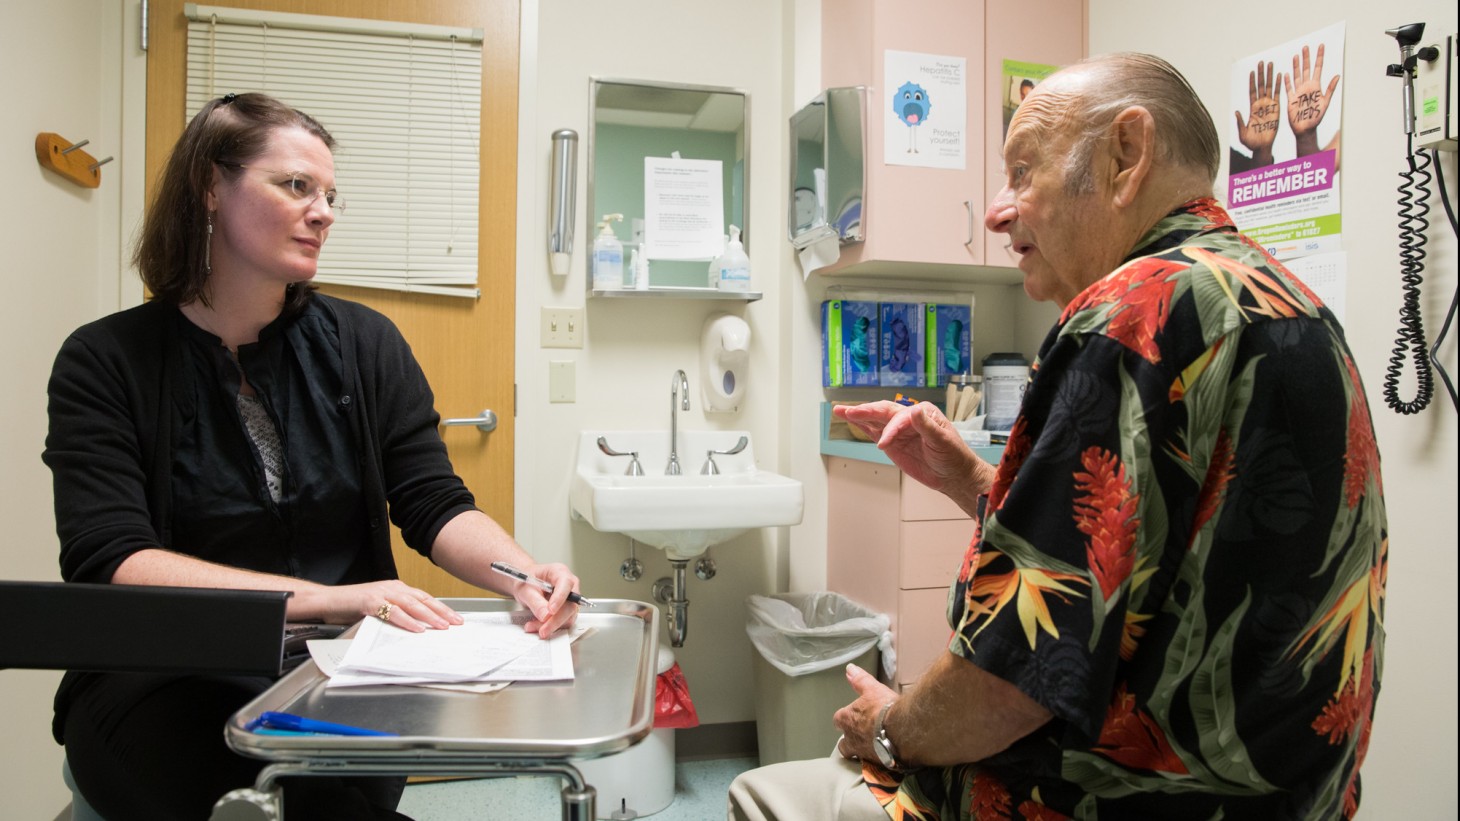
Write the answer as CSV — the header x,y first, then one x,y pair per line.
x,y
262,231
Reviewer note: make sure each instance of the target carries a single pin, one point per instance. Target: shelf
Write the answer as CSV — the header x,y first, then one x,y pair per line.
x,y
868,452
676,293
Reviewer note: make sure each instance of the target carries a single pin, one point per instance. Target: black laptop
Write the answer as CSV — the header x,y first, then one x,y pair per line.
x,y
141,628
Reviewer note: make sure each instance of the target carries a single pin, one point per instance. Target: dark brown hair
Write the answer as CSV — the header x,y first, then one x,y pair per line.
x,y
227,132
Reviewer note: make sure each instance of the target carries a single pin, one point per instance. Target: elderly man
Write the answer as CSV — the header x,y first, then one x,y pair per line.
x,y
1172,605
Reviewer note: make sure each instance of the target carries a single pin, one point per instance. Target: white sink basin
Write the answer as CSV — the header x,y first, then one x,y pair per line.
x,y
682,514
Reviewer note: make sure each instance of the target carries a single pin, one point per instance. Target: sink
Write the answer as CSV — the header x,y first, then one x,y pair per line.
x,y
682,515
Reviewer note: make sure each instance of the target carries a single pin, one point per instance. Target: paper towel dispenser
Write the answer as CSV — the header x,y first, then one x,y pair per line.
x,y
828,167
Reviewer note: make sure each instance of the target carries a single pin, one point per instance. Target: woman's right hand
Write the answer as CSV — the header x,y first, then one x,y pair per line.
x,y
392,601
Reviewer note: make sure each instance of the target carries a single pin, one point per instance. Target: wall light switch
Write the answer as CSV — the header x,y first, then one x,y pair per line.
x,y
561,379
562,327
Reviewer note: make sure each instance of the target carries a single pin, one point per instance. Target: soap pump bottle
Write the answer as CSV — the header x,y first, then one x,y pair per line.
x,y
734,265
608,256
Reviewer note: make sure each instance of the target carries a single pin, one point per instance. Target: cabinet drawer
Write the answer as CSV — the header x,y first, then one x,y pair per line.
x,y
922,631
921,503
931,552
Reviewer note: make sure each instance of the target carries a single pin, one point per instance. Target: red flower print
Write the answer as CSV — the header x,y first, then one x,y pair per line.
x,y
988,799
1219,474
1133,739
1361,458
1107,514
1349,712
1141,294
970,556
1033,811
1015,452
1208,209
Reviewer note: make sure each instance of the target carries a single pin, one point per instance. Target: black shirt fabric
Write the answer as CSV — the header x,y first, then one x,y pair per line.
x,y
222,508
147,449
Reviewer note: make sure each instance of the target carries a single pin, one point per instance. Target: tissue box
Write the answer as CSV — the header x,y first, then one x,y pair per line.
x,y
901,343
848,343
949,331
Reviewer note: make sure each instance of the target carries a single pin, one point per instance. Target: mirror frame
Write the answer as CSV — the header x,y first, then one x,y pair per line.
x,y
842,113
591,150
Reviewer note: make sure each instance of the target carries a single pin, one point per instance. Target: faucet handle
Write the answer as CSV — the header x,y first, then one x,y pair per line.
x,y
712,469
635,469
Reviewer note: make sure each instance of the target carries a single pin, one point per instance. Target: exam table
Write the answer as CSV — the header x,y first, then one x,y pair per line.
x,y
525,728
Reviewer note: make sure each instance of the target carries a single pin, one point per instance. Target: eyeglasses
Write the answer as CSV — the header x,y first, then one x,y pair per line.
x,y
299,186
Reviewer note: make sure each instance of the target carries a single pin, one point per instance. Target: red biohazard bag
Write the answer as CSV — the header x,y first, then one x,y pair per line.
x,y
672,705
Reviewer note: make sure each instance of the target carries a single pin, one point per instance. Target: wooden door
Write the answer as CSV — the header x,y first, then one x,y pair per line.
x,y
464,346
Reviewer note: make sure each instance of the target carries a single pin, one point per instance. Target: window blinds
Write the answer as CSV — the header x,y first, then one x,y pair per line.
x,y
403,102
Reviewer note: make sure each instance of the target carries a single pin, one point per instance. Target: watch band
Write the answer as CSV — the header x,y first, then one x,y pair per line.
x,y
881,744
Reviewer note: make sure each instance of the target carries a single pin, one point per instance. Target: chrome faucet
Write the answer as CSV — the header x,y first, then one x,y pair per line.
x,y
678,400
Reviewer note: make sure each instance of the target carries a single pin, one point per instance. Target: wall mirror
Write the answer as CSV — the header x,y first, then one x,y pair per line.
x,y
828,139
673,159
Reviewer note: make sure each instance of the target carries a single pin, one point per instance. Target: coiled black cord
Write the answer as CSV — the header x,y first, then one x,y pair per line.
x,y
1454,298
1413,211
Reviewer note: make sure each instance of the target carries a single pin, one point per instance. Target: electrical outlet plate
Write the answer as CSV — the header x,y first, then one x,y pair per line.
x,y
562,327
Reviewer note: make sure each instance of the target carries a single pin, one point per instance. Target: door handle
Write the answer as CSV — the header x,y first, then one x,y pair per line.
x,y
486,423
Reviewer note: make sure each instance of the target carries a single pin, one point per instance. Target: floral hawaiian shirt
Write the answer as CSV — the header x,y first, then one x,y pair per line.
x,y
1182,556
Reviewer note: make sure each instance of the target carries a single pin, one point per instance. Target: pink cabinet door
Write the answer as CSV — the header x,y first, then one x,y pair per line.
x,y
911,214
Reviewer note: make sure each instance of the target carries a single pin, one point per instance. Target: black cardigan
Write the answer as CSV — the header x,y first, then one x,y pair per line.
x,y
114,391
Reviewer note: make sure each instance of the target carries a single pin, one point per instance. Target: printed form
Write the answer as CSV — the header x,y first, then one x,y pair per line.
x,y
488,647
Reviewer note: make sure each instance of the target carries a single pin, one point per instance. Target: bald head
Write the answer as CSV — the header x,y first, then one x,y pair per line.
x,y
1079,104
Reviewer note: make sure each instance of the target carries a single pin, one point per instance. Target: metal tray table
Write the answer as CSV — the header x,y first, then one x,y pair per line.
x,y
528,727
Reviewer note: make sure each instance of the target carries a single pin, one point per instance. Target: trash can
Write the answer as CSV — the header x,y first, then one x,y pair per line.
x,y
804,641
640,780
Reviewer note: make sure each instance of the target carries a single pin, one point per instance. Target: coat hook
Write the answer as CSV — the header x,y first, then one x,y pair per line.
x,y
67,159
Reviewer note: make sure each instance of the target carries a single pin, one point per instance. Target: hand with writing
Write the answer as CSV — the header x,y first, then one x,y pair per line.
x,y
1260,129
1307,101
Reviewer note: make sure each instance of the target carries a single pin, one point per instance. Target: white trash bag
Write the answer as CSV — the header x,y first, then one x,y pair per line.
x,y
802,633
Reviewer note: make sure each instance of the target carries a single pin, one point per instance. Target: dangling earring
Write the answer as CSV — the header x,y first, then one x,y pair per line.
x,y
208,248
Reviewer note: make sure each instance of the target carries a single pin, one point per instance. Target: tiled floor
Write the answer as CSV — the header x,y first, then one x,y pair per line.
x,y
699,795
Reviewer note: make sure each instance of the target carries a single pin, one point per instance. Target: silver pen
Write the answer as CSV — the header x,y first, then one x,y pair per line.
x,y
508,570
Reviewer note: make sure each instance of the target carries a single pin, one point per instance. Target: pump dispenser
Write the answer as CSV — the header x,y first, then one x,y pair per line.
x,y
608,256
734,265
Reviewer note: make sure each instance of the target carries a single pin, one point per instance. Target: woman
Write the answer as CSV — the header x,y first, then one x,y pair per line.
x,y
243,431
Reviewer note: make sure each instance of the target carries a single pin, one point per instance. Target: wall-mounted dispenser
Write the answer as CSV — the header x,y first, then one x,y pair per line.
x,y
564,199
724,354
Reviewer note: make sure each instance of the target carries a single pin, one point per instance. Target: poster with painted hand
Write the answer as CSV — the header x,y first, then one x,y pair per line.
x,y
1282,183
925,119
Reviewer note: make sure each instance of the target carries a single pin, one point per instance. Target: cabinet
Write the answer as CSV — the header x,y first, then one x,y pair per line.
x,y
928,222
895,546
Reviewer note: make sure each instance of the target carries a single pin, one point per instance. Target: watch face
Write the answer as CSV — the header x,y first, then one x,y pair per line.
x,y
804,208
883,747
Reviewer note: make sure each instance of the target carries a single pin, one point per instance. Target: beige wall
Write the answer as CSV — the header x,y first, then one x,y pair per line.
x,y
634,346
65,70
65,245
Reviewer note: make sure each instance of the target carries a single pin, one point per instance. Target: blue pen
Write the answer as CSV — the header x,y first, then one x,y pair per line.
x,y
300,724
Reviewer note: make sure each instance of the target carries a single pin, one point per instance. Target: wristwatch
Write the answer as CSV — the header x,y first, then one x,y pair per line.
x,y
881,744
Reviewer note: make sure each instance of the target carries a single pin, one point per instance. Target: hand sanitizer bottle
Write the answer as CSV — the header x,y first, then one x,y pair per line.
x,y
608,256
735,265
715,262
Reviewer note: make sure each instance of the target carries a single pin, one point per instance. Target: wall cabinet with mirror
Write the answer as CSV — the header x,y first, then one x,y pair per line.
x,y
668,165
922,212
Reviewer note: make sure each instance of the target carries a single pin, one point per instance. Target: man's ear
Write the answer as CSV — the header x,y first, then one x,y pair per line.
x,y
1133,152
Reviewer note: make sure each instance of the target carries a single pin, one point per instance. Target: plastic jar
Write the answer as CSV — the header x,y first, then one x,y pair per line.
x,y
1005,375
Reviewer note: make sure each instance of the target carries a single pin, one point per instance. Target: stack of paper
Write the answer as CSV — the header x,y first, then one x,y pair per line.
x,y
487,652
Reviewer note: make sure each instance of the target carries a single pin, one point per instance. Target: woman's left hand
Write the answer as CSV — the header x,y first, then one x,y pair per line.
x,y
550,611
